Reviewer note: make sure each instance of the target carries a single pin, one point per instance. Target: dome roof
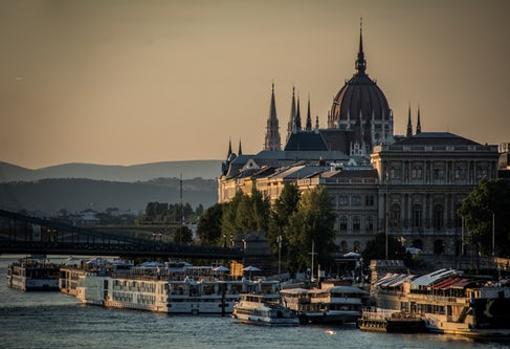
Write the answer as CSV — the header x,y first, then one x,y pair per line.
x,y
360,93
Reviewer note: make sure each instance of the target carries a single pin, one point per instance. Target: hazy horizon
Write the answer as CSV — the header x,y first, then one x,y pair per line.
x,y
130,82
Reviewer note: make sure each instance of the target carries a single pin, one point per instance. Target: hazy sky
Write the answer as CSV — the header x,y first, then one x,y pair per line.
x,y
124,82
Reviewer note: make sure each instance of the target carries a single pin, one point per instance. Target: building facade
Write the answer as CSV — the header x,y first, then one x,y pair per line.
x,y
411,185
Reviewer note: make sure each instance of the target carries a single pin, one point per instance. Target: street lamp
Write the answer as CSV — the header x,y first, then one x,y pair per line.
x,y
279,239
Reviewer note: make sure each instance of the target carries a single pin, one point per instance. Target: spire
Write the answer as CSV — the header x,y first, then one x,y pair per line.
x,y
229,148
290,127
418,123
298,115
272,140
361,64
240,150
308,117
409,123
317,122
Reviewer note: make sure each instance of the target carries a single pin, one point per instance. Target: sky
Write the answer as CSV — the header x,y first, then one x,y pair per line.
x,y
127,82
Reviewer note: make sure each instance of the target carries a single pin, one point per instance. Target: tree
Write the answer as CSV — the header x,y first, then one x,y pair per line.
x,y
488,198
314,221
209,225
284,207
244,214
376,248
199,210
183,235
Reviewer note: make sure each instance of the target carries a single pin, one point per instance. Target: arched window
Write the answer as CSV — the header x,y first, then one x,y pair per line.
x,y
356,223
342,225
438,247
417,214
438,217
395,215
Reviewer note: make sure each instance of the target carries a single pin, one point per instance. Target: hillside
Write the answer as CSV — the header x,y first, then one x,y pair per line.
x,y
207,169
50,195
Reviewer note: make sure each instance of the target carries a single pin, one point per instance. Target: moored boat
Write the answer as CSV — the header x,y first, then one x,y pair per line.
x,y
263,309
449,302
328,304
33,275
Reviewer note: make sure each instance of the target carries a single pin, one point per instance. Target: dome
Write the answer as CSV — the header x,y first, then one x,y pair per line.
x,y
359,94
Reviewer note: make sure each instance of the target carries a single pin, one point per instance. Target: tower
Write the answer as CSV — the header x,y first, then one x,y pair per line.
x,y
292,113
272,141
418,123
297,118
409,132
229,152
240,149
308,117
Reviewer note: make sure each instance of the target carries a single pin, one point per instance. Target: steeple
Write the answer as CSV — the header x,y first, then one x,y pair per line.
x,y
418,123
272,139
229,148
290,126
409,124
240,150
308,117
298,115
317,122
361,64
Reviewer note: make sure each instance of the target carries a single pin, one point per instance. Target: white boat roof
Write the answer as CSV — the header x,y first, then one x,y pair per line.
x,y
428,279
347,289
294,290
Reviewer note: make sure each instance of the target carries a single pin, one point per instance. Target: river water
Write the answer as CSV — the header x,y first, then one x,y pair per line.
x,y
53,320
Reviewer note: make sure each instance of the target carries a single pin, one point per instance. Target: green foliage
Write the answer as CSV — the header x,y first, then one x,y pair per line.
x,y
477,209
209,225
244,214
162,212
376,248
284,207
313,221
183,235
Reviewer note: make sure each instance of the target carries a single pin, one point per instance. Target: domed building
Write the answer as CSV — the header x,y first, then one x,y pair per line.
x,y
362,107
408,185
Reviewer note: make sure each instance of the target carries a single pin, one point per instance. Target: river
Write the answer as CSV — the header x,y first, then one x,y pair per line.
x,y
53,320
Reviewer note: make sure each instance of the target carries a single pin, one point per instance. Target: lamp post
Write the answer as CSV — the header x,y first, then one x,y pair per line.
x,y
279,240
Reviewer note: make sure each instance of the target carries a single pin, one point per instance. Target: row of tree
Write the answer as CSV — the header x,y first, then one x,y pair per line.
x,y
162,212
298,221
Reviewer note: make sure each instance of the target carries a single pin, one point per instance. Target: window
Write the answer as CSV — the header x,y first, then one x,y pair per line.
x,y
417,172
356,246
438,217
370,224
395,172
395,215
356,200
343,200
369,200
417,214
438,172
460,171
343,224
356,224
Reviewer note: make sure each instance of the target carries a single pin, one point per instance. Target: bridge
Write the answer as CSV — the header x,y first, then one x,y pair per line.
x,y
22,234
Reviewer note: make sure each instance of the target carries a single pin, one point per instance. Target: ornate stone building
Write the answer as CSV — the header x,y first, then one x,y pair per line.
x,y
412,184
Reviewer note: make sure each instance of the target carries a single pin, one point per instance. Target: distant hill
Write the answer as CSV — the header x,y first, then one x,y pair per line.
x,y
50,195
190,169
